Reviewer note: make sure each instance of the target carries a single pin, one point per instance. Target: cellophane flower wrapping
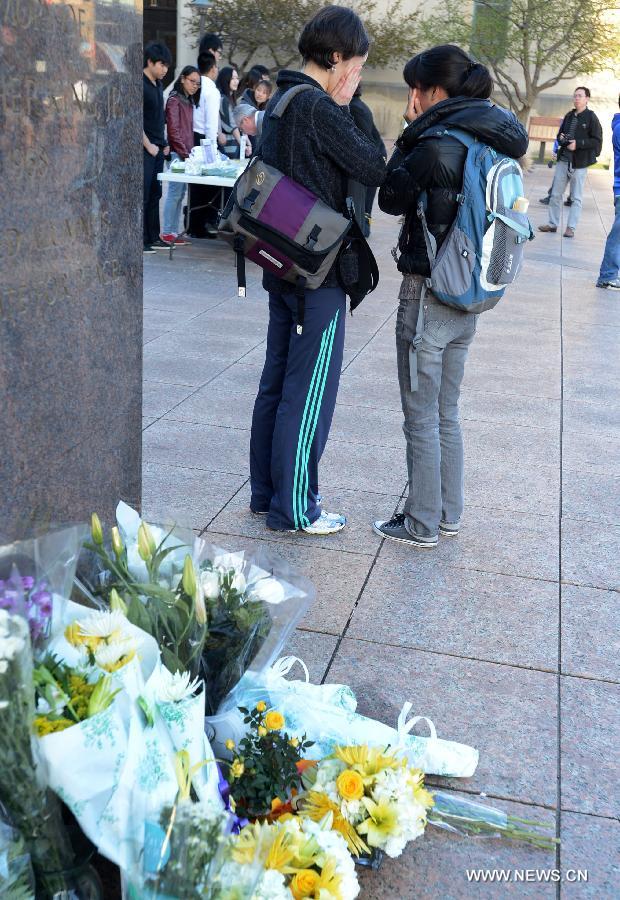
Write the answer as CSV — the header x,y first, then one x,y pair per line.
x,y
34,811
105,766
16,874
254,600
327,715
36,576
152,589
184,852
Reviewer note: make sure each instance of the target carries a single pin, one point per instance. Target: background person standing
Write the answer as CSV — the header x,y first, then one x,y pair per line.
x,y
610,266
156,60
580,141
179,121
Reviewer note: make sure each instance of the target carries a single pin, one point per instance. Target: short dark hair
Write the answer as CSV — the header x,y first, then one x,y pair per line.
x,y
584,89
156,52
210,42
334,29
206,61
449,67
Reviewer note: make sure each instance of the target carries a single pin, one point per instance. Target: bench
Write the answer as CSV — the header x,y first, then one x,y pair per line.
x,y
543,129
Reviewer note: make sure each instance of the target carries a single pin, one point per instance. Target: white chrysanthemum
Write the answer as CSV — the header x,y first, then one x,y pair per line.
x,y
103,624
268,590
169,688
271,887
210,582
116,654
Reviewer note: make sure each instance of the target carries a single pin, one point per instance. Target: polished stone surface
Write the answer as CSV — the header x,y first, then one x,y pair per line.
x,y
479,632
70,261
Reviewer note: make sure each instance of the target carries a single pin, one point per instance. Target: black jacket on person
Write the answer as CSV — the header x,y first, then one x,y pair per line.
x,y
588,138
362,116
317,144
436,164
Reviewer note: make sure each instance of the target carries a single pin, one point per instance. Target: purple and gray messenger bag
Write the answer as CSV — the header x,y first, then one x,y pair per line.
x,y
281,226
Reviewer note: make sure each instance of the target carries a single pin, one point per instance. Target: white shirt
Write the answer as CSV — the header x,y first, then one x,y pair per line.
x,y
207,113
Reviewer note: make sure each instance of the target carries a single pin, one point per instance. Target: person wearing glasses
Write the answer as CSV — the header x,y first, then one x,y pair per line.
x,y
180,125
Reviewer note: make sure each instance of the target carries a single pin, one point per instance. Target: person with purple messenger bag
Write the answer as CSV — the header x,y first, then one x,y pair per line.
x,y
317,145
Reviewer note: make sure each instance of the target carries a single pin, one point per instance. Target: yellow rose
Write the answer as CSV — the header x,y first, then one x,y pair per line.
x,y
230,744
274,720
304,884
261,706
237,769
294,742
262,731
350,785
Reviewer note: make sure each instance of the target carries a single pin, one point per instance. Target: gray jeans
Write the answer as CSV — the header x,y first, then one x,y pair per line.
x,y
577,179
432,428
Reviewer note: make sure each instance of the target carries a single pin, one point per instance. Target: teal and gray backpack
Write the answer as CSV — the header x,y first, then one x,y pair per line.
x,y
483,251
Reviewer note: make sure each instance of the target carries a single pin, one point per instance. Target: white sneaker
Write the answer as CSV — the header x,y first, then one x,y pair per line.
x,y
327,523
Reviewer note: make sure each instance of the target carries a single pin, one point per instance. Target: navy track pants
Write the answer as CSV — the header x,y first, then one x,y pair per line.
x,y
295,404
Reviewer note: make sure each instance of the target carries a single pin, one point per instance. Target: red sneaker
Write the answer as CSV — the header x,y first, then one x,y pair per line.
x,y
175,239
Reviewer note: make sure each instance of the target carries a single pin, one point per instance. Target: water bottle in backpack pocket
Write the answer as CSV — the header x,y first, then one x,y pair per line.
x,y
483,251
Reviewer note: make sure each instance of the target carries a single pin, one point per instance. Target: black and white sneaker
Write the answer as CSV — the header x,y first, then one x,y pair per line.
x,y
449,529
395,530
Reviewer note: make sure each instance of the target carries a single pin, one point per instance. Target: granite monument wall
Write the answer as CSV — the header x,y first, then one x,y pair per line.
x,y
70,259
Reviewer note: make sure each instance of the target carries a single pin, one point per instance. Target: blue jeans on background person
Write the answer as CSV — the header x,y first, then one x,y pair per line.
x,y
432,427
173,204
610,266
577,179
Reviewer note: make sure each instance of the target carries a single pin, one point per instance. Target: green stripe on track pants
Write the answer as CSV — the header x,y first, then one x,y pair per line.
x,y
295,404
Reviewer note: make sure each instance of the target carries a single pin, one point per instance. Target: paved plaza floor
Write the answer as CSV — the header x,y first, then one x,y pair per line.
x,y
506,637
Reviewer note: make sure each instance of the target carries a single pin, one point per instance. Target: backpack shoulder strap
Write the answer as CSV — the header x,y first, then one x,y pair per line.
x,y
282,104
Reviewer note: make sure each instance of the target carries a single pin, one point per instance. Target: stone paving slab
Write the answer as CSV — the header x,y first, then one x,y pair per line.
x,y
590,634
591,844
506,712
502,641
448,610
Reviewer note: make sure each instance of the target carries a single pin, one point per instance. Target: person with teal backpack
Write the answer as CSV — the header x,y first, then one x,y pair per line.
x,y
454,176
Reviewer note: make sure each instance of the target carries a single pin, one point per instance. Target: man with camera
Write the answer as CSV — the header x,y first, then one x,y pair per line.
x,y
580,140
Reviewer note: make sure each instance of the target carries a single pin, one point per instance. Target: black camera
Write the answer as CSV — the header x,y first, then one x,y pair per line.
x,y
564,141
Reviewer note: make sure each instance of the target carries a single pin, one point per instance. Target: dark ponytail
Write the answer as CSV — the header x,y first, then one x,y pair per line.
x,y
450,68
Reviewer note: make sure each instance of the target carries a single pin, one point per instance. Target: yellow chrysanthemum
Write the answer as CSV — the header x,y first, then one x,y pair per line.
x,y
73,634
305,884
350,785
368,761
382,822
43,725
317,805
281,853
274,720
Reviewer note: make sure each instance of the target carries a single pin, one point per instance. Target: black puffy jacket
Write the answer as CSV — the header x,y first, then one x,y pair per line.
x,y
436,164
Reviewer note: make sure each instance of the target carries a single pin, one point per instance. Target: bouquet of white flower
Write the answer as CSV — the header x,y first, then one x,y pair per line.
x,y
376,800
